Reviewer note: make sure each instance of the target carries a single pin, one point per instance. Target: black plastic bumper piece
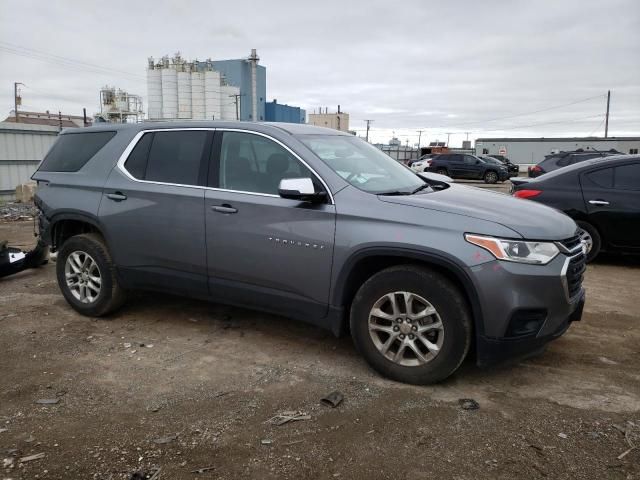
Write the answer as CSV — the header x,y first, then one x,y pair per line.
x,y
491,351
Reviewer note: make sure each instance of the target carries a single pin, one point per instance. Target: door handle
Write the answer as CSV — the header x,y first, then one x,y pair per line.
x,y
224,208
598,202
116,196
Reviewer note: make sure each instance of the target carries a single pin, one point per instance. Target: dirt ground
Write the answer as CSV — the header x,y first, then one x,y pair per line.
x,y
180,385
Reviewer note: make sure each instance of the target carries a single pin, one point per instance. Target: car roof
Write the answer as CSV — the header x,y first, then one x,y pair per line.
x,y
264,127
611,160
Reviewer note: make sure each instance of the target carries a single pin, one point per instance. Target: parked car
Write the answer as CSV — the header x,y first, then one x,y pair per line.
x,y
602,195
313,224
563,159
419,164
512,168
457,165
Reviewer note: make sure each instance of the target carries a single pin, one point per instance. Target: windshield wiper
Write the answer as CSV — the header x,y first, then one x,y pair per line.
x,y
421,187
394,192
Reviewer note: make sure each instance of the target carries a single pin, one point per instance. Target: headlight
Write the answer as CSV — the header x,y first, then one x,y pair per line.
x,y
537,253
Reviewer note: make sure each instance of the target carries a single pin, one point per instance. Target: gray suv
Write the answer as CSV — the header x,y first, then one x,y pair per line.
x,y
313,224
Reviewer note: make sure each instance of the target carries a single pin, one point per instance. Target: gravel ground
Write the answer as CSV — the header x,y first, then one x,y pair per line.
x,y
14,211
180,385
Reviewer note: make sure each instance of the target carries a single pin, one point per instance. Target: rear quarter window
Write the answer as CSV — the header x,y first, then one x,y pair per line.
x,y
628,177
602,178
73,150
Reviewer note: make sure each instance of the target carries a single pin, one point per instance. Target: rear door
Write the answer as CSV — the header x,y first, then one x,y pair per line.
x,y
456,165
472,168
612,200
152,210
264,250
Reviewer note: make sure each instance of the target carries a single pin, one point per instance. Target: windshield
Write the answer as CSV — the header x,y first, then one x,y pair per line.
x,y
492,160
363,165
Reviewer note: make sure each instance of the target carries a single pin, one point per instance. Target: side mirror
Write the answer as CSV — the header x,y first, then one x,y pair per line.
x,y
301,189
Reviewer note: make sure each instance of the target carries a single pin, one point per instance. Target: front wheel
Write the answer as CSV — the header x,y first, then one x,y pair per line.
x,y
86,276
442,171
591,238
411,324
490,177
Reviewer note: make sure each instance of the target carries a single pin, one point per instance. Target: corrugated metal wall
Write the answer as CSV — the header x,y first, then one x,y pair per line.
x,y
22,147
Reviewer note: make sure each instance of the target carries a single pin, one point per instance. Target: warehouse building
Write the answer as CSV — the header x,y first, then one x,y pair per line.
x,y
338,120
276,112
533,150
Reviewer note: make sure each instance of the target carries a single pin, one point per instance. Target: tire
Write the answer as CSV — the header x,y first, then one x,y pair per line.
x,y
490,177
89,249
596,239
453,339
442,171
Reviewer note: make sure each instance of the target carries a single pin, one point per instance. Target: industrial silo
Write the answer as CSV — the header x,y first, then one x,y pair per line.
x,y
184,93
197,96
169,92
212,95
154,93
229,96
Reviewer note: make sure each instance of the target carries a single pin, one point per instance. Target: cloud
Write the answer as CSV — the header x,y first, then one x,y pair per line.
x,y
431,65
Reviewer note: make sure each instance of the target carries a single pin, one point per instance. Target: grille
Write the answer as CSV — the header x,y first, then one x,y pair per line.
x,y
577,264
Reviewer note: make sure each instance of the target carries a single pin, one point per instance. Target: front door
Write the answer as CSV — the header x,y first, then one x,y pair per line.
x,y
152,212
264,250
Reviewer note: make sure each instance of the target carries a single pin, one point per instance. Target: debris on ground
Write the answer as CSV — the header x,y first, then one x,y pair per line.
x,y
163,440
289,416
2,430
631,436
562,435
468,404
14,212
7,462
333,399
202,470
47,401
29,458
266,441
153,475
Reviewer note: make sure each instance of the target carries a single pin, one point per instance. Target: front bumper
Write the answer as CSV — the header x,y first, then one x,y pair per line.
x,y
524,307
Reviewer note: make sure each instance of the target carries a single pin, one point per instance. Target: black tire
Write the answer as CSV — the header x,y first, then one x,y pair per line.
x,y
490,177
443,295
442,171
596,239
111,295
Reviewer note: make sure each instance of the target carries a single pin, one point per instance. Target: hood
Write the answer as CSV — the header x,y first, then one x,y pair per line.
x,y
531,220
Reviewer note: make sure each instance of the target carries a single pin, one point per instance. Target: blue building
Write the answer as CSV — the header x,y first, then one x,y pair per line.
x,y
238,73
275,112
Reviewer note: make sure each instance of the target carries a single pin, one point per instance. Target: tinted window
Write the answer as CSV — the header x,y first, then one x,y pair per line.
x,y
628,177
564,161
469,160
602,178
175,157
73,150
136,164
252,163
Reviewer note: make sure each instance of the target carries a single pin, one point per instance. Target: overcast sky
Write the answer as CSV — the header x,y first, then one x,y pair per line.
x,y
439,66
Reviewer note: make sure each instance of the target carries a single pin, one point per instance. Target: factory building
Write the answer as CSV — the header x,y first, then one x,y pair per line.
x,y
533,150
206,90
338,120
118,106
276,112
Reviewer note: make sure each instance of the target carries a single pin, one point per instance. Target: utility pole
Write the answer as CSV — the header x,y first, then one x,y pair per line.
x,y
606,118
448,135
368,123
419,138
16,99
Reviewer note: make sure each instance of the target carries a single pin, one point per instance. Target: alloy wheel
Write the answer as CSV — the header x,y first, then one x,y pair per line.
x,y
406,328
83,276
586,239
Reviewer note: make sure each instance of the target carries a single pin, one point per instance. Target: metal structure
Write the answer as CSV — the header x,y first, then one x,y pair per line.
x,y
22,147
118,106
178,89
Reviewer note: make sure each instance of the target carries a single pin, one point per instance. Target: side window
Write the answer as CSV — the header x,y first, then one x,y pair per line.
x,y
564,161
136,163
469,160
628,177
602,178
485,151
73,150
253,163
175,157
633,151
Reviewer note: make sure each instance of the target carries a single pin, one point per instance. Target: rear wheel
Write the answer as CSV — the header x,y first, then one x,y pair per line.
x,y
411,324
490,177
86,276
442,171
591,238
